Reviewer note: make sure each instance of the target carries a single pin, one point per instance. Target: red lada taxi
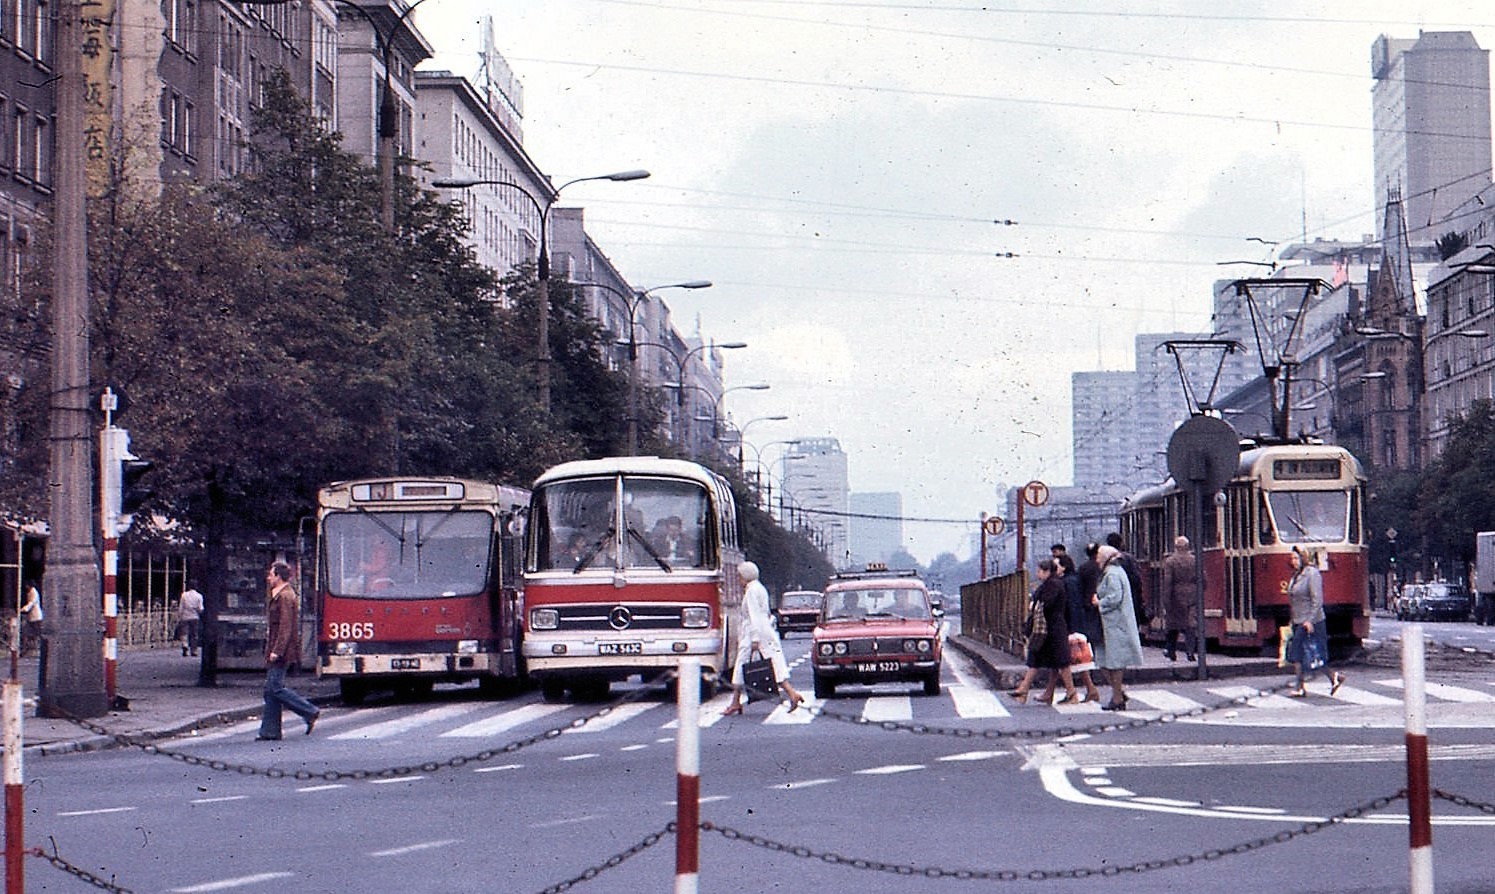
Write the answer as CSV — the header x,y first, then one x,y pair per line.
x,y
877,626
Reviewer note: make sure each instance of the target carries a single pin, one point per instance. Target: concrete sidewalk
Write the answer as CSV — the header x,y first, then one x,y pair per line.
x,y
160,686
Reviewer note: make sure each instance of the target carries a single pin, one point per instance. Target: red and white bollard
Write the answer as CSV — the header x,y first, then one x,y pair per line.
x,y
688,777
1419,791
111,617
15,809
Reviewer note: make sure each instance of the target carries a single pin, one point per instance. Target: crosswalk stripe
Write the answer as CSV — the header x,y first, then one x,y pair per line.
x,y
1446,692
618,715
1163,700
972,703
398,725
489,726
888,707
801,716
711,712
1258,700
1357,696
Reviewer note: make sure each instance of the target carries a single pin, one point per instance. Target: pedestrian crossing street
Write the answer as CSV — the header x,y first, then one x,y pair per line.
x,y
963,700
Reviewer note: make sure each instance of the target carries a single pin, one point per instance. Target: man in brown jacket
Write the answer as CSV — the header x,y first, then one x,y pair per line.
x,y
282,648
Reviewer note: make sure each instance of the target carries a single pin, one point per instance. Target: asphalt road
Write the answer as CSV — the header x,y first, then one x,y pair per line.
x,y
951,782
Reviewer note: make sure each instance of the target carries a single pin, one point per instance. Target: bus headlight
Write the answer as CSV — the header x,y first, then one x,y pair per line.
x,y
544,619
345,648
695,616
467,647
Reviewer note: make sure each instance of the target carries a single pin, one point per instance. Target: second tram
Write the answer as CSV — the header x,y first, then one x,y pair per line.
x,y
417,582
630,566
1283,495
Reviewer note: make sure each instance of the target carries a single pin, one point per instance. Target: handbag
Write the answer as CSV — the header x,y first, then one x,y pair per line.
x,y
1038,626
1081,655
758,676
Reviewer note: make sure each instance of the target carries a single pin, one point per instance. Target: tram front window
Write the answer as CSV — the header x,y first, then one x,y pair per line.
x,y
1310,516
407,555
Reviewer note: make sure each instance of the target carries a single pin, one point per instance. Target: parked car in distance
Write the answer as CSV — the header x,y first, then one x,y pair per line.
x,y
877,626
797,610
1440,600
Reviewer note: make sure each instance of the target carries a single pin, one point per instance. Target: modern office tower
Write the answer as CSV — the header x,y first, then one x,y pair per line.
x,y
815,495
1431,118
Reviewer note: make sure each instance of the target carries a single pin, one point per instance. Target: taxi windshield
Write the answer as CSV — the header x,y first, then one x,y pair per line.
x,y
908,603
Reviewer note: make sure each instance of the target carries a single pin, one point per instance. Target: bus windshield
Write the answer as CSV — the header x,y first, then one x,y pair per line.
x,y
662,525
407,555
1310,516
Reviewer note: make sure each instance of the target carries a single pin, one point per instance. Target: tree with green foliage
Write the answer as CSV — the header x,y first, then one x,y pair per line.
x,y
1457,496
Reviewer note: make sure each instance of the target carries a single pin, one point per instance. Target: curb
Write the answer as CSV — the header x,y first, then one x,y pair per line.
x,y
1004,671
221,717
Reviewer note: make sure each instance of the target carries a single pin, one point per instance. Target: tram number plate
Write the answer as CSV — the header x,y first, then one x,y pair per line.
x,y
404,664
620,648
872,667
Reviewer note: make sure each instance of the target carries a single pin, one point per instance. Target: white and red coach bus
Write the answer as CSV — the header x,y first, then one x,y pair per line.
x,y
630,566
1283,495
417,582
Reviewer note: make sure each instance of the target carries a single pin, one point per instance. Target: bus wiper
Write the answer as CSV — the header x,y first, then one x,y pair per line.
x,y
649,549
591,553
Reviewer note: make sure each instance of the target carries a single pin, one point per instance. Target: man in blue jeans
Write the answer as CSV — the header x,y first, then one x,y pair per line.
x,y
282,648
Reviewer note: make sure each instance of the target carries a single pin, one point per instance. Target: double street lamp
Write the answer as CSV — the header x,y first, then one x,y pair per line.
x,y
634,302
542,263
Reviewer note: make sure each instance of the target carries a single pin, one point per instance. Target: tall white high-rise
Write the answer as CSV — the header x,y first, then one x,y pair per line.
x,y
816,494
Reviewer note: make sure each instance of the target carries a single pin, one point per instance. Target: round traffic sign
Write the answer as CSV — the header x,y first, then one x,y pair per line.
x,y
1035,493
994,525
1203,453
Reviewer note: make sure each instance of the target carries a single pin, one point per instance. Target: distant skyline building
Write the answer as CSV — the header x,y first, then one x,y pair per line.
x,y
875,526
1104,429
816,496
1431,126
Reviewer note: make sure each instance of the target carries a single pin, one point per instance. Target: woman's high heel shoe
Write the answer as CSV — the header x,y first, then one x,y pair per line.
x,y
1019,695
1071,698
795,702
732,709
1114,705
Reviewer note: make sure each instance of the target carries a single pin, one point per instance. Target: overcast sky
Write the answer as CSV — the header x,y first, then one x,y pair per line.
x,y
845,172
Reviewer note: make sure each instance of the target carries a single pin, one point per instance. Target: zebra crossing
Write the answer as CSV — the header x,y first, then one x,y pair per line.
x,y
961,701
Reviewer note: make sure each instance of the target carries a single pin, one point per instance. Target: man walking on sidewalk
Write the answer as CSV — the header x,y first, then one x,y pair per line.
x,y
282,649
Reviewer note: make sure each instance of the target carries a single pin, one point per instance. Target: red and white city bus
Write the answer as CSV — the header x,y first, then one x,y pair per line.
x,y
1283,495
417,582
630,566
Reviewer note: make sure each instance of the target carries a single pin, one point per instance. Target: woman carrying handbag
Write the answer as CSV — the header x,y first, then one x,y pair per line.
x,y
757,634
1048,638
1308,648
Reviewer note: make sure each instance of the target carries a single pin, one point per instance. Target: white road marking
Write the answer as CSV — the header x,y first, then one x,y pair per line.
x,y
414,848
398,725
226,884
1163,700
803,783
1257,700
709,799
394,781
580,757
322,788
633,747
801,716
890,769
569,821
888,707
219,800
973,703
618,715
504,722
1356,696
98,812
1115,791
973,756
1167,802
498,768
711,713
1448,693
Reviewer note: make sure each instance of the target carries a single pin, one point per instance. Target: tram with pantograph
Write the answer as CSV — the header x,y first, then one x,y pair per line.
x,y
1283,495
630,565
417,582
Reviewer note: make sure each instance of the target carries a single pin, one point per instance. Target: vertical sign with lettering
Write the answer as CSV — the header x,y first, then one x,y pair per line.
x,y
98,104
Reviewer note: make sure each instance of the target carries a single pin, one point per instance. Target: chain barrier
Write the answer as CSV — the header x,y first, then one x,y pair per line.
x,y
592,872
1134,723
487,754
77,871
1462,801
1039,875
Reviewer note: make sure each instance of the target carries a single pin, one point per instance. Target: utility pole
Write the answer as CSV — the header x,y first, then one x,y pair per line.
x,y
73,662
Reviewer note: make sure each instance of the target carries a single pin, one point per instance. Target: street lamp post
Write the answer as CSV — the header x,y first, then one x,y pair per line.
x,y
634,302
542,262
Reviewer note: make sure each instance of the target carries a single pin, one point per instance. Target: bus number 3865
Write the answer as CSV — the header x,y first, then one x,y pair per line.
x,y
345,630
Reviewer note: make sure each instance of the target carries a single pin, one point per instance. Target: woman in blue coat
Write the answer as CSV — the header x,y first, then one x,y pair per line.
x,y
1122,647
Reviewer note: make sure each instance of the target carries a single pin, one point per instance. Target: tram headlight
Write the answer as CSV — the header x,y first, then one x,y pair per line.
x,y
695,616
544,619
467,647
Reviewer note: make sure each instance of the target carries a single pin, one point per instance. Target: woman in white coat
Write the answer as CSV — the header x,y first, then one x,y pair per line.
x,y
756,633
